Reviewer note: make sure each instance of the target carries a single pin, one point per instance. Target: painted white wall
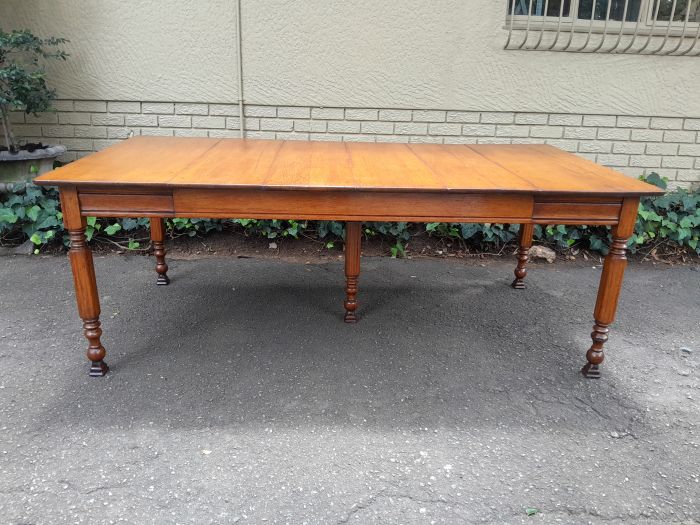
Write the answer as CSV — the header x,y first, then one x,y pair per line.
x,y
155,50
444,54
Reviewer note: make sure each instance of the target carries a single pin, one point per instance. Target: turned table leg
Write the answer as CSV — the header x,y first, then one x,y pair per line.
x,y
353,235
524,244
609,288
84,280
158,240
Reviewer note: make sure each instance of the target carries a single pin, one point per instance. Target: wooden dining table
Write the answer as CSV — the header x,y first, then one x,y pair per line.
x,y
161,177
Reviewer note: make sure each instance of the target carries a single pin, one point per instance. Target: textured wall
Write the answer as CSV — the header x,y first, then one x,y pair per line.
x,y
633,145
360,53
136,50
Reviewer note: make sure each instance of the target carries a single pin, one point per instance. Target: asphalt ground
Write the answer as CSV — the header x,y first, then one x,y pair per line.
x,y
238,395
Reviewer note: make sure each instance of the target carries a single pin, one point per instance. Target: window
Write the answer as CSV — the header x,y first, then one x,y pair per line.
x,y
630,9
617,10
522,7
689,8
642,26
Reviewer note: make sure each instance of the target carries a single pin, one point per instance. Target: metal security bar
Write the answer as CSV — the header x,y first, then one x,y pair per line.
x,y
642,27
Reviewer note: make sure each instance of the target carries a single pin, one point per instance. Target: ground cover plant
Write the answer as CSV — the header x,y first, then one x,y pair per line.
x,y
668,222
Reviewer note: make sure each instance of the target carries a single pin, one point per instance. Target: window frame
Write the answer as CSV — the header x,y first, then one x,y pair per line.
x,y
645,26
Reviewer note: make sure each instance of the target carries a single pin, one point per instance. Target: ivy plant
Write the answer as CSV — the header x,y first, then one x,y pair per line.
x,y
673,218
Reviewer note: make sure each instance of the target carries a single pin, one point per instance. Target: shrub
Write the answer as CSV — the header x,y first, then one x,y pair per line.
x,y
673,218
22,77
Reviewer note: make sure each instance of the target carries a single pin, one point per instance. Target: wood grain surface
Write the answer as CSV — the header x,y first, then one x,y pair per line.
x,y
170,162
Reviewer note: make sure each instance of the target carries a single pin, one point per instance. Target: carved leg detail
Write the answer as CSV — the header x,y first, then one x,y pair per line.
x,y
525,242
353,233
88,300
595,355
606,305
158,240
96,352
610,286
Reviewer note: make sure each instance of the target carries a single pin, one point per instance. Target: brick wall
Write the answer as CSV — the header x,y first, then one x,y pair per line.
x,y
634,145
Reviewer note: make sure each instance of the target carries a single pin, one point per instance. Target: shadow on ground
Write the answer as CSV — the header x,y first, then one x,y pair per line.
x,y
447,360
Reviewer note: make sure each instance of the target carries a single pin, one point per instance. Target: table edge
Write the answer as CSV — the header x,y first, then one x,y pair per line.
x,y
113,187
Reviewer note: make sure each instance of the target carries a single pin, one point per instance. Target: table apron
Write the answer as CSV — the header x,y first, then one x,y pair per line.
x,y
345,205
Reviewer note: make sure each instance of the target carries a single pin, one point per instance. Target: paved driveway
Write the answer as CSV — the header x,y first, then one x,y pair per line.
x,y
238,396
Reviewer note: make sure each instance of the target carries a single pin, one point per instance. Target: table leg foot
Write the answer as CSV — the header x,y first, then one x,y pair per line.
x,y
524,244
590,371
350,317
95,352
163,279
98,369
518,284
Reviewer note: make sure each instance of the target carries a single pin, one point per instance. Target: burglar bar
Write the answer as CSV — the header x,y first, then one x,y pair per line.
x,y
532,26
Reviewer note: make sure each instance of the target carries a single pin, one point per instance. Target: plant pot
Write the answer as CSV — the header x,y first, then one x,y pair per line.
x,y
18,169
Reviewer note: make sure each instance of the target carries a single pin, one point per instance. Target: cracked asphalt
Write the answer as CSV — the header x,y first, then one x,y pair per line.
x,y
238,395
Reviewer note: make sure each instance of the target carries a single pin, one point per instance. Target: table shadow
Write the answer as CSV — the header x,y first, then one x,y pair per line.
x,y
255,348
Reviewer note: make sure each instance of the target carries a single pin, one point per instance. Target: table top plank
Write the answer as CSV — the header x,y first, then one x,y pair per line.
x,y
458,166
309,165
250,160
543,167
391,166
149,162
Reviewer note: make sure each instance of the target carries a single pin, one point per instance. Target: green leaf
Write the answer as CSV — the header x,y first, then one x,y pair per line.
x,y
398,249
36,238
91,221
656,180
113,228
8,216
33,213
33,192
531,511
133,244
48,222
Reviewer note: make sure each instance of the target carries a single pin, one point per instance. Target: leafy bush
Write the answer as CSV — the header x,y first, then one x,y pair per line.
x,y
22,77
673,218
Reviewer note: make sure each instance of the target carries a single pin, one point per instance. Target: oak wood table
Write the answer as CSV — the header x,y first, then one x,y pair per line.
x,y
353,182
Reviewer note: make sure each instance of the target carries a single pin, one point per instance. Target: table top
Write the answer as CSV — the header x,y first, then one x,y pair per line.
x,y
308,165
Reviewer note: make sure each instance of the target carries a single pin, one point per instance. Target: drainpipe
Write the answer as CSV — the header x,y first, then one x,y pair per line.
x,y
239,46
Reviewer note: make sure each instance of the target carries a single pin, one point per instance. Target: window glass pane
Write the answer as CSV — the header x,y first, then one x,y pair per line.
x,y
522,7
680,12
617,9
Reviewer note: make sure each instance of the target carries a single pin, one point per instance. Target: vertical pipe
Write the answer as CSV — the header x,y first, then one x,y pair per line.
x,y
239,47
